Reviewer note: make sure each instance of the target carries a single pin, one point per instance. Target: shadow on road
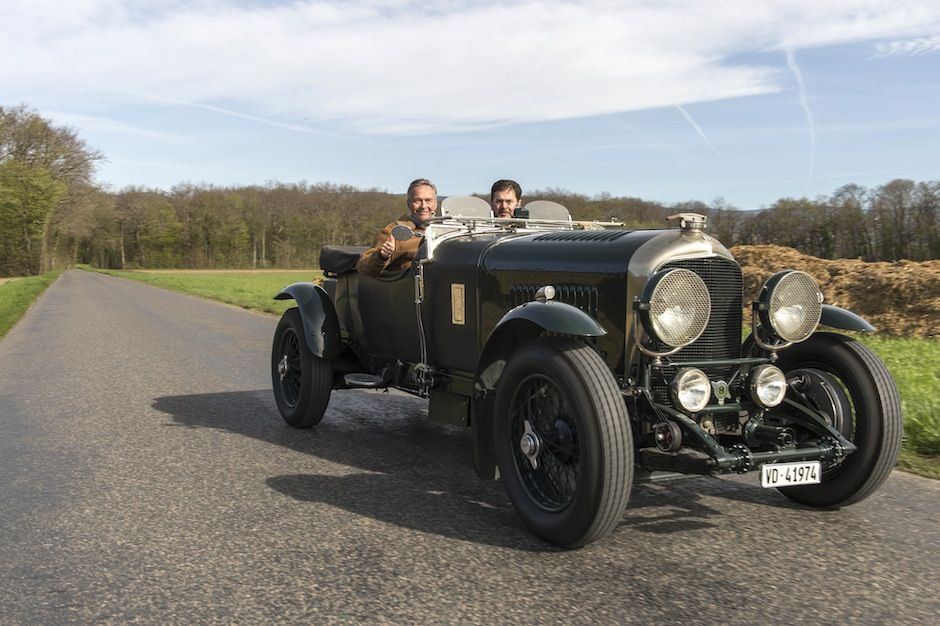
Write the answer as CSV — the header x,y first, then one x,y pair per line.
x,y
663,511
415,504
678,506
411,472
419,475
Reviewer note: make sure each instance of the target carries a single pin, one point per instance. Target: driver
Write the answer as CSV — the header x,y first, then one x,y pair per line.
x,y
505,197
386,254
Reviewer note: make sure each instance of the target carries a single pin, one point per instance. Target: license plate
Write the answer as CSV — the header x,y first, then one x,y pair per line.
x,y
786,474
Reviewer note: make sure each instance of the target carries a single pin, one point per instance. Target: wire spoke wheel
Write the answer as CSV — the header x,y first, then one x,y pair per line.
x,y
551,476
290,368
563,441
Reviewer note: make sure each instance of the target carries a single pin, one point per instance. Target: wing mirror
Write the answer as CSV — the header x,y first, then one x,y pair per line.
x,y
402,233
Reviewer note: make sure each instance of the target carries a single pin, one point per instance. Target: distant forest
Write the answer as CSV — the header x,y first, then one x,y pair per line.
x,y
53,214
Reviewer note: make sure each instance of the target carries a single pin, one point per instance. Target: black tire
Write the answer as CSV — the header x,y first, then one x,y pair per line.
x,y
578,491
302,382
871,418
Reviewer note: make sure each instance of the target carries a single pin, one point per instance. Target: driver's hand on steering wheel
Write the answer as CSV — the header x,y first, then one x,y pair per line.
x,y
387,249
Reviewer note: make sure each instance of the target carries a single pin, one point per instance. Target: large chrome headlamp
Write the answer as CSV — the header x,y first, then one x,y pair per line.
x,y
674,307
790,305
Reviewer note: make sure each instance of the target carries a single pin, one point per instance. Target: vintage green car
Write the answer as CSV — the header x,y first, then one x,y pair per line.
x,y
585,356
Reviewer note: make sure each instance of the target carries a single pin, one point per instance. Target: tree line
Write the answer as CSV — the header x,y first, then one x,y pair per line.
x,y
52,214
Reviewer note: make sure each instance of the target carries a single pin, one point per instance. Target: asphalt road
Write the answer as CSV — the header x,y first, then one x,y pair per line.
x,y
146,476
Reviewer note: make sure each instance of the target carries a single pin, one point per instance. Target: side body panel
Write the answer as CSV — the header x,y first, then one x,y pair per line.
x,y
389,317
450,310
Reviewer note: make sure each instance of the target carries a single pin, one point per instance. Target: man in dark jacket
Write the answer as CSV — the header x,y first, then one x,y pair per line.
x,y
387,254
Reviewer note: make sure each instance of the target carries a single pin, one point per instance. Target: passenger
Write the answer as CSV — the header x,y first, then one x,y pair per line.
x,y
505,197
387,254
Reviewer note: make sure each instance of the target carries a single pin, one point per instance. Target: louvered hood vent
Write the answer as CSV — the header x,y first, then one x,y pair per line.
x,y
580,296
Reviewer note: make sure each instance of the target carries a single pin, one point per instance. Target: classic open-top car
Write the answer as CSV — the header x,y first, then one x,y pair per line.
x,y
585,356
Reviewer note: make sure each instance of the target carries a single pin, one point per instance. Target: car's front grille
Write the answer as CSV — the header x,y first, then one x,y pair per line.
x,y
722,337
580,296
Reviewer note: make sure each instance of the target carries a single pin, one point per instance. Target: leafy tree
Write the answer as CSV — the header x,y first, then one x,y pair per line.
x,y
32,142
28,197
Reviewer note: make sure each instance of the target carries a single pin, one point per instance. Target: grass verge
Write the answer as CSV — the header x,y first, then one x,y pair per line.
x,y
914,363
246,289
17,294
914,463
915,366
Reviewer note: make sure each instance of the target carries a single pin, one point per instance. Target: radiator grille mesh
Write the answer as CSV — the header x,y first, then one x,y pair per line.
x,y
722,336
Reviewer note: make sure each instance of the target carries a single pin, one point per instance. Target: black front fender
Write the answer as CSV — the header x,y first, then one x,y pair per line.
x,y
523,323
554,317
843,319
321,325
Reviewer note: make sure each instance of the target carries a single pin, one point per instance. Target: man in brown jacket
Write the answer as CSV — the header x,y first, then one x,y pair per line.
x,y
387,254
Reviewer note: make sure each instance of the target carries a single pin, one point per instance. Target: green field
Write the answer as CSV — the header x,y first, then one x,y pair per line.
x,y
17,294
914,363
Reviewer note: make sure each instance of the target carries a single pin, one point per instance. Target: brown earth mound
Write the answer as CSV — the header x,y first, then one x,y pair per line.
x,y
900,298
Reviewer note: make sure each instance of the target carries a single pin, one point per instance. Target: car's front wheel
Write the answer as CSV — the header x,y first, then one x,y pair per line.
x,y
563,441
849,384
302,381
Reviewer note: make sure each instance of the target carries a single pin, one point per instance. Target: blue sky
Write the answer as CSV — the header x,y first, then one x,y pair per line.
x,y
666,100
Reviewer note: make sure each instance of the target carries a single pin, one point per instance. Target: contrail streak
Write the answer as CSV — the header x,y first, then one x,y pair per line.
x,y
698,129
804,102
261,120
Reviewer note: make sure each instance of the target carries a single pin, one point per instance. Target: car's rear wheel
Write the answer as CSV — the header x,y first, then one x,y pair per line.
x,y
563,441
849,384
302,381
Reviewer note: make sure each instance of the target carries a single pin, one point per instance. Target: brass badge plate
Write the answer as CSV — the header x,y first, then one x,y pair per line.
x,y
457,304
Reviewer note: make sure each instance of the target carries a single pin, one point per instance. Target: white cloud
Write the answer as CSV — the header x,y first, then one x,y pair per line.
x,y
381,66
909,47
